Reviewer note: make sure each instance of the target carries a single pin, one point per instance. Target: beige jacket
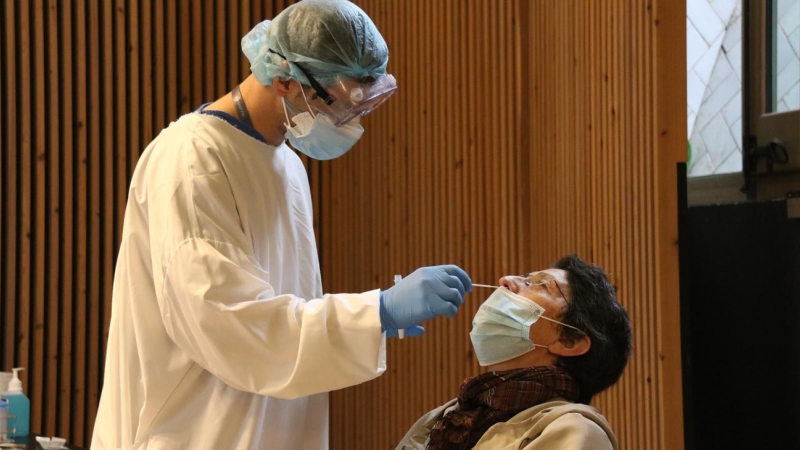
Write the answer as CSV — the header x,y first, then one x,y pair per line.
x,y
556,425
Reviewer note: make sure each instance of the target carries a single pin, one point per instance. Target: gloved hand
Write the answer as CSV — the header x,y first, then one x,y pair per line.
x,y
425,294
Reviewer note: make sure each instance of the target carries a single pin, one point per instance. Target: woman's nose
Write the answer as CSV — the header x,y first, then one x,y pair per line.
x,y
511,282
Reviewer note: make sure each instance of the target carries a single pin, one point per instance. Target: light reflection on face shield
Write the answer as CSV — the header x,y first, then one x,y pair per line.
x,y
347,98
352,98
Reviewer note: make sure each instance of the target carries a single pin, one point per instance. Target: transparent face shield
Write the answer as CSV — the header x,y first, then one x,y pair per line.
x,y
347,98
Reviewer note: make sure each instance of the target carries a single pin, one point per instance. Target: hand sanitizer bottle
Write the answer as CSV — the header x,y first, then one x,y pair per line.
x,y
18,404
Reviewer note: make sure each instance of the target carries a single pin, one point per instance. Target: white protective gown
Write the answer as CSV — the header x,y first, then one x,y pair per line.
x,y
212,343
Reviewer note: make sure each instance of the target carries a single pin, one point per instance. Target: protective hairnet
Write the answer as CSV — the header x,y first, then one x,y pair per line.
x,y
329,38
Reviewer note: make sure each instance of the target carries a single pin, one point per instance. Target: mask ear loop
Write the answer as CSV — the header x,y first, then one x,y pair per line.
x,y
286,114
303,91
557,337
564,325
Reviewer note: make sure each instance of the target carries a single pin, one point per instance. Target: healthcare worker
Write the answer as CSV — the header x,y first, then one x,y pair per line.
x,y
220,334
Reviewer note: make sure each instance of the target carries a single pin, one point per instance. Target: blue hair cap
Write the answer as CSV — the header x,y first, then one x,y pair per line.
x,y
329,38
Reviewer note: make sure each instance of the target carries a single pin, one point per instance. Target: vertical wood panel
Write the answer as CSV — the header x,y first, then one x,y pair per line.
x,y
95,268
669,136
221,18
147,38
207,49
24,350
232,46
111,232
133,52
184,50
121,145
172,58
80,273
10,188
67,188
53,244
158,77
36,387
3,176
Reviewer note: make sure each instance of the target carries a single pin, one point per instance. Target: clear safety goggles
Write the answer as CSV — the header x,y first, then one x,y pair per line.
x,y
348,98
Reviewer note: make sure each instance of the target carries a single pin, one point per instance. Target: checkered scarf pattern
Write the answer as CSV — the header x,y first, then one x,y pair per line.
x,y
496,397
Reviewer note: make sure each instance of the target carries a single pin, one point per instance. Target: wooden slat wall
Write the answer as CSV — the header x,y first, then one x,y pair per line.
x,y
522,131
84,86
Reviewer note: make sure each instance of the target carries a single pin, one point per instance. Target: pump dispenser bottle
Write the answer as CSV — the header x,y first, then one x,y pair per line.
x,y
18,404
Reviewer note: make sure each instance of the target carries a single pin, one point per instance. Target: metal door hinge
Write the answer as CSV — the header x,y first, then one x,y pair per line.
x,y
772,153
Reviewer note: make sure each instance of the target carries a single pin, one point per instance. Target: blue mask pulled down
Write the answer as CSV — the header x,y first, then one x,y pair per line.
x,y
501,328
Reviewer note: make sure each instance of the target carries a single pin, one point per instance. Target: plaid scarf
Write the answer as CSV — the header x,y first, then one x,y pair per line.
x,y
496,397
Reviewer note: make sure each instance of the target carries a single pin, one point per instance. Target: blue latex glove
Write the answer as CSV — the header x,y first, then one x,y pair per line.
x,y
423,295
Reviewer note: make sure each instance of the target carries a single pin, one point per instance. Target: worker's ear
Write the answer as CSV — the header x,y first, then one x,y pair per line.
x,y
571,348
282,87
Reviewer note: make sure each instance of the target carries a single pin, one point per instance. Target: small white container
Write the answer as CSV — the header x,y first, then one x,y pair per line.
x,y
3,421
52,443
5,378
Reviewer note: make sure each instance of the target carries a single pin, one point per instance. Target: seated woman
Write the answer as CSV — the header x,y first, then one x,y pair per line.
x,y
542,374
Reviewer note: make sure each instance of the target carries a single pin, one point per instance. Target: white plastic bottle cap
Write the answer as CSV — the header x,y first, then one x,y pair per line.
x,y
15,385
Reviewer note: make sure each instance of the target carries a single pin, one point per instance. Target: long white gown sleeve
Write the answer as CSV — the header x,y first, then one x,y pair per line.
x,y
219,307
220,336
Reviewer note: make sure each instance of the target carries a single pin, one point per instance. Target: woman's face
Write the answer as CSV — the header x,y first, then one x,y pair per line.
x,y
550,290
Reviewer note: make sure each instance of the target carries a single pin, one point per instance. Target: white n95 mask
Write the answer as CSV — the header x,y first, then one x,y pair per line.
x,y
501,327
317,137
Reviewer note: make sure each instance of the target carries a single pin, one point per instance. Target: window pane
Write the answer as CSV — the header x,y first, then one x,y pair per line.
x,y
784,49
714,86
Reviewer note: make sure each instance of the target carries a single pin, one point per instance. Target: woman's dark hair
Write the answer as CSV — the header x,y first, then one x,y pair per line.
x,y
593,308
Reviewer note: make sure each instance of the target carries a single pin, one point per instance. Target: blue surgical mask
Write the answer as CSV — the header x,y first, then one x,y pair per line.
x,y
317,137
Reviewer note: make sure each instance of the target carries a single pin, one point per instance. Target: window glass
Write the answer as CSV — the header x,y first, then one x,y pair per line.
x,y
714,86
784,66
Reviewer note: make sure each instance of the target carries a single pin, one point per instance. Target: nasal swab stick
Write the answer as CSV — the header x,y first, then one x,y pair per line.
x,y
401,333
